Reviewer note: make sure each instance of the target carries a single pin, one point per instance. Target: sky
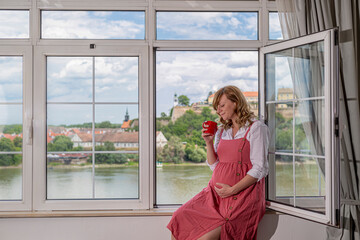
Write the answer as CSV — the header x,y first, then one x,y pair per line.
x,y
70,79
207,25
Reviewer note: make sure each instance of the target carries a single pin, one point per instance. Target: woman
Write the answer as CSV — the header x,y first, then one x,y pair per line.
x,y
233,203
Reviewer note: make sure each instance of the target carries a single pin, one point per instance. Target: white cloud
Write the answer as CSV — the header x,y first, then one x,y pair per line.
x,y
90,25
274,26
70,79
14,24
205,25
195,74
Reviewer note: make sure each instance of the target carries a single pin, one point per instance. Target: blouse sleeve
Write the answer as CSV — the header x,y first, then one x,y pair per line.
x,y
216,143
259,143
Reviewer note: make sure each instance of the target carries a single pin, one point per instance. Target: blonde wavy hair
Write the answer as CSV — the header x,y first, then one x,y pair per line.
x,y
242,106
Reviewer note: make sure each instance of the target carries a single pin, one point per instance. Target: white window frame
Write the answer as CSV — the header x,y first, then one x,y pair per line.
x,y
263,7
40,201
332,204
35,189
26,203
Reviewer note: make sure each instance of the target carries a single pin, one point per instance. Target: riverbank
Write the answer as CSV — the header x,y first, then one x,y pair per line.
x,y
137,165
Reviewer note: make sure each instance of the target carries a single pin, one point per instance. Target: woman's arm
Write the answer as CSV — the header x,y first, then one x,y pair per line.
x,y
210,151
227,191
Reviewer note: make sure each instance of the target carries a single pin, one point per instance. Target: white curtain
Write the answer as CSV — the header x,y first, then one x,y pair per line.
x,y
302,17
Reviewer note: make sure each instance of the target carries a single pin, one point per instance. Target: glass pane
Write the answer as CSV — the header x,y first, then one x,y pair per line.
x,y
309,184
176,184
207,25
117,127
69,79
116,79
280,122
14,24
93,24
67,182
282,166
11,132
310,127
11,79
117,175
10,177
274,27
185,84
309,70
69,127
279,83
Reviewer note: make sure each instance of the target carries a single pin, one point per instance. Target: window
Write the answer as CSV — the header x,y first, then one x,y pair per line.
x,y
111,81
185,84
15,128
92,104
303,152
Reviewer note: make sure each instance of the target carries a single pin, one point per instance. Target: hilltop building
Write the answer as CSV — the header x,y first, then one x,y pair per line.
x,y
284,94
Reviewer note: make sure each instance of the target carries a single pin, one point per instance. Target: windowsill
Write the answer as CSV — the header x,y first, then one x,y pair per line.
x,y
122,213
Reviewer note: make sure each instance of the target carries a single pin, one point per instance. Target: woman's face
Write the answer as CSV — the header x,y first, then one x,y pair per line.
x,y
226,108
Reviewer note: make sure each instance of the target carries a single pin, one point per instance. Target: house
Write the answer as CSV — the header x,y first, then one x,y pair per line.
x,y
211,99
161,140
284,94
119,139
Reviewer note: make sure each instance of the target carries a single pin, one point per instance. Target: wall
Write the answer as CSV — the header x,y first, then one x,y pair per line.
x,y
274,227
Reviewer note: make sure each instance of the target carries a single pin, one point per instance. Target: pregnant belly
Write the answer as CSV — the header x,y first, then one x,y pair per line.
x,y
224,173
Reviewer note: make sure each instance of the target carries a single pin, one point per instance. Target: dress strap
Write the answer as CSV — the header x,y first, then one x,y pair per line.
x,y
244,138
221,132
248,129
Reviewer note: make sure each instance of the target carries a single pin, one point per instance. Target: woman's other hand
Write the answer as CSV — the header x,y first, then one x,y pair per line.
x,y
225,190
207,136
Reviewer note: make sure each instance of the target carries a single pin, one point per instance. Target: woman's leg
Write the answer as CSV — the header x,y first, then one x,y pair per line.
x,y
212,235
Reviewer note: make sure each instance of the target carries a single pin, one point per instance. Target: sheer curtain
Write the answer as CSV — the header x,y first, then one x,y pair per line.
x,y
302,17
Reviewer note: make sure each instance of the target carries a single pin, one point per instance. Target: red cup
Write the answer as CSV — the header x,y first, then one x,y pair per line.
x,y
212,127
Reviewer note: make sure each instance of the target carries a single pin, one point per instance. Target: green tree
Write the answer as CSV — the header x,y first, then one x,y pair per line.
x,y
184,100
109,146
206,113
6,145
173,151
195,154
18,142
14,128
61,143
171,112
163,114
108,158
105,124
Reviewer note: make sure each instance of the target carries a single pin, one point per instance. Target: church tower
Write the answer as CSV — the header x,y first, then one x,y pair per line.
x,y
176,102
127,117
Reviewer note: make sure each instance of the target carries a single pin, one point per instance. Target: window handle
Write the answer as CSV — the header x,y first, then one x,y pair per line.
x,y
29,131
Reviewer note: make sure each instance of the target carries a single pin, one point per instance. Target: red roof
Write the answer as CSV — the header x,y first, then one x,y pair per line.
x,y
126,124
12,136
251,94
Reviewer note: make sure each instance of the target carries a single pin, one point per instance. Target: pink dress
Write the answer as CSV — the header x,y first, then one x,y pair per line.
x,y
238,215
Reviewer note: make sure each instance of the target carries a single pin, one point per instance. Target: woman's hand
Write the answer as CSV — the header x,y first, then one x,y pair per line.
x,y
225,190
207,136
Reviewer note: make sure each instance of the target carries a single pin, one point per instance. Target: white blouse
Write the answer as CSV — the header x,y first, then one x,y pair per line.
x,y
258,137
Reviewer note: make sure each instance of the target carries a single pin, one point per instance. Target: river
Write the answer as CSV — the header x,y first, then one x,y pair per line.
x,y
175,184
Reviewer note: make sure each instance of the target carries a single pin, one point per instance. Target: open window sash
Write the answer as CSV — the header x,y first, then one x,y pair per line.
x,y
299,103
